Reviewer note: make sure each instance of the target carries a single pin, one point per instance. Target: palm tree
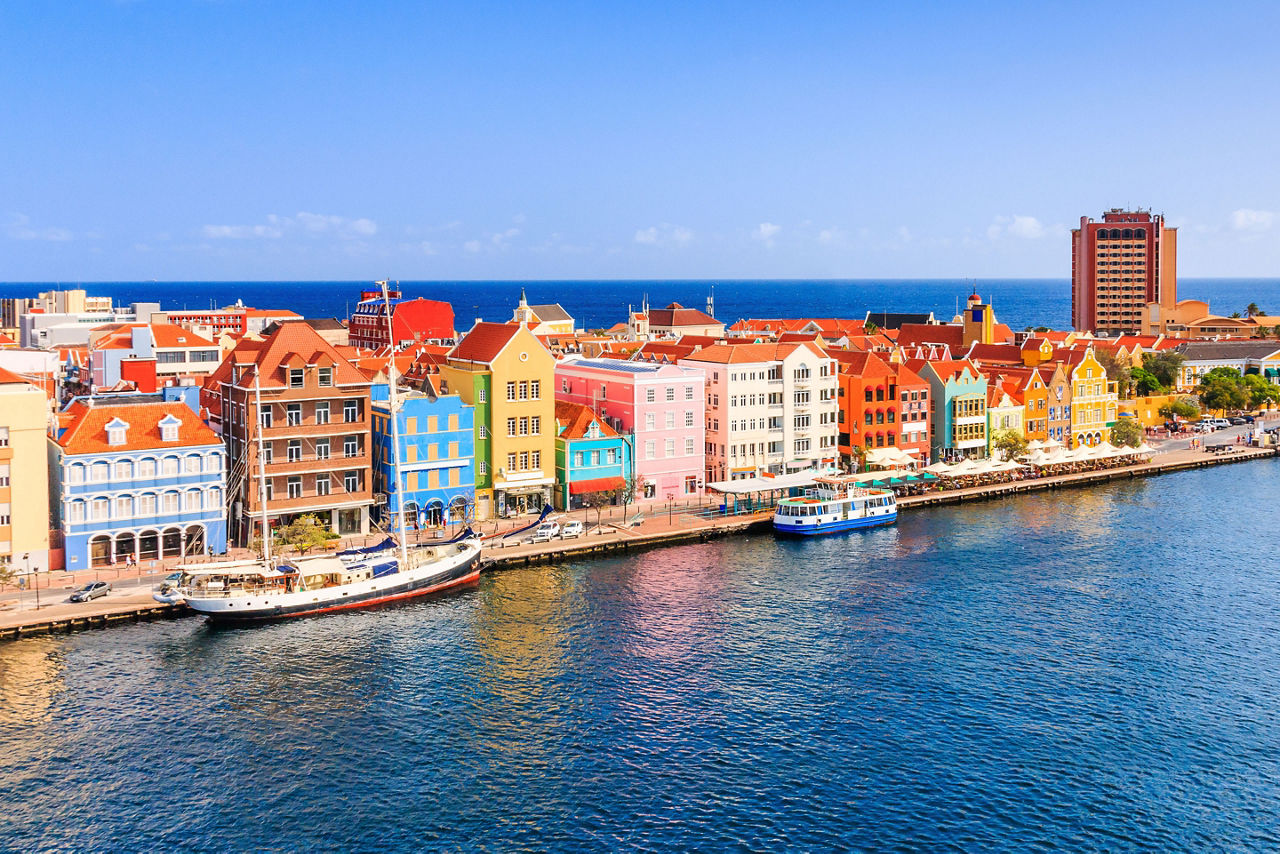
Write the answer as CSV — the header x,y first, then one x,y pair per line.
x,y
1251,310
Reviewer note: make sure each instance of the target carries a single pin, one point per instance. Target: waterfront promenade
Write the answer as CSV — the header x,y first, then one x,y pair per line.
x,y
658,525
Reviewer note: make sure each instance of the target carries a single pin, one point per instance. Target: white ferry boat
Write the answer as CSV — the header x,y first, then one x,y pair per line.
x,y
835,504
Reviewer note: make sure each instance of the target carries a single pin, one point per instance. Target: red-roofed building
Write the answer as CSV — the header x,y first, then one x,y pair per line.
x,y
150,354
137,477
592,459
882,405
674,321
308,406
415,321
770,408
237,319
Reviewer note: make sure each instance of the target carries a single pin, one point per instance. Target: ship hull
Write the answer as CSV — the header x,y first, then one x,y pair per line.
x,y
815,528
390,588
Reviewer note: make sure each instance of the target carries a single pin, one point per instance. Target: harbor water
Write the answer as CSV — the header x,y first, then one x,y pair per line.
x,y
1096,669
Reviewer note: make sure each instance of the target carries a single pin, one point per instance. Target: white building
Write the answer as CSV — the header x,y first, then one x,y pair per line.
x,y
770,408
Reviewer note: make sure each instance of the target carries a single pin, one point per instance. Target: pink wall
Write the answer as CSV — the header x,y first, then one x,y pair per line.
x,y
622,393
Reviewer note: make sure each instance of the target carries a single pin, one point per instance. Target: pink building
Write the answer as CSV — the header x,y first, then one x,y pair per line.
x,y
663,407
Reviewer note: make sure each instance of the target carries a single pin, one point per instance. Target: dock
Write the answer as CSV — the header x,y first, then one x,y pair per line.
x,y
661,527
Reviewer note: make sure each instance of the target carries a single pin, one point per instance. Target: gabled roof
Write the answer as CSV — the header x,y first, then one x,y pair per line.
x,y
749,353
574,419
86,427
293,343
911,334
484,342
8,377
677,315
550,313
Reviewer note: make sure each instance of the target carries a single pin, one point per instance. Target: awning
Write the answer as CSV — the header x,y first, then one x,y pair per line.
x,y
599,484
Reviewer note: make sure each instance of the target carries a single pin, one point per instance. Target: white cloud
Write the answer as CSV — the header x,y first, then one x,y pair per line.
x,y
19,228
473,246
904,234
327,225
1019,226
664,235
830,235
765,232
1247,219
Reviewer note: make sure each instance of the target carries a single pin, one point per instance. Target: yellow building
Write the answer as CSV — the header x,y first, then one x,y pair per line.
x,y
1093,400
506,373
550,319
24,475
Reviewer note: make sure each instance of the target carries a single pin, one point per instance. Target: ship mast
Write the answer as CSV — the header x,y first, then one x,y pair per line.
x,y
262,468
393,404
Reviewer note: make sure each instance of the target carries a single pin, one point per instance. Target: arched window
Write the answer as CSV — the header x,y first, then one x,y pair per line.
x,y
170,466
98,472
1127,234
75,473
213,499
213,462
192,464
1140,233
879,394
193,501
869,394
147,467
870,417
124,470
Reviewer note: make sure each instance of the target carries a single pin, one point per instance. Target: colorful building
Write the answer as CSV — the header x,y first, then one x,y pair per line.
x,y
437,459
663,407
136,476
415,321
1005,410
549,319
309,406
1119,267
508,375
591,457
770,408
959,417
24,475
1093,398
150,355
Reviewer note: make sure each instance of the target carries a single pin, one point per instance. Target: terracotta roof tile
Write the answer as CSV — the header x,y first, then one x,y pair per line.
x,y
484,342
86,431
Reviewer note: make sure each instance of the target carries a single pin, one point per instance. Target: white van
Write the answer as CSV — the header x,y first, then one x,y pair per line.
x,y
572,528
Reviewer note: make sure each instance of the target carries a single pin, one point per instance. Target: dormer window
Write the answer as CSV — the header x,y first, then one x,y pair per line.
x,y
324,376
169,428
295,378
116,431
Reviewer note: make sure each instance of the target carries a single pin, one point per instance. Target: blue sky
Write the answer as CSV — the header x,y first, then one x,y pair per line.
x,y
238,140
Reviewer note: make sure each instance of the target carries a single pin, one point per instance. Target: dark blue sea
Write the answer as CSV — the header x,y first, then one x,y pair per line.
x,y
598,304
1096,670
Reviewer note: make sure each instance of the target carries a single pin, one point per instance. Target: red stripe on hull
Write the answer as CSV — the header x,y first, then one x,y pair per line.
x,y
466,579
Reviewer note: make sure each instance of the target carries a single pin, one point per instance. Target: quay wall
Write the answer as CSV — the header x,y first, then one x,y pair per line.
x,y
620,540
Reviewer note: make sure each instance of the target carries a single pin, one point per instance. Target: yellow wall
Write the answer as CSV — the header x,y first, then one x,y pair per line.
x,y
24,411
1093,399
1147,409
524,359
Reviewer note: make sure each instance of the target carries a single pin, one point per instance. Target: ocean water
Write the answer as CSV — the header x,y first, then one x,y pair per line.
x,y
1096,673
597,304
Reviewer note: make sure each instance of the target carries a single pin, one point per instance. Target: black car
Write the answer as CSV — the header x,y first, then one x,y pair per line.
x,y
91,591
1237,420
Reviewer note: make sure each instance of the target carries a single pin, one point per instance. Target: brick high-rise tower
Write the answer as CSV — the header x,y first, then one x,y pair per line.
x,y
1118,267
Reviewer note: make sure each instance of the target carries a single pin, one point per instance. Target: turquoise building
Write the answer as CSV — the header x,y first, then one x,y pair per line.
x,y
958,427
590,455
437,459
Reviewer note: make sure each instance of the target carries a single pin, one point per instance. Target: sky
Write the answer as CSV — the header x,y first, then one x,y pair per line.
x,y
275,140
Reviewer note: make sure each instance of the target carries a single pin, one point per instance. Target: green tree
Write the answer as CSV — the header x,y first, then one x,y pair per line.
x,y
1252,310
1222,394
626,493
1118,371
1164,365
1126,433
1145,382
7,574
1181,407
1221,374
304,533
1261,393
1010,443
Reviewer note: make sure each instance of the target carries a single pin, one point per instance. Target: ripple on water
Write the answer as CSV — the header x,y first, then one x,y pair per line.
x,y
1089,670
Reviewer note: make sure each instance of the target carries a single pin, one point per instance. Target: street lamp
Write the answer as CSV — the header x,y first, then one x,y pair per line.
x,y
670,499
26,562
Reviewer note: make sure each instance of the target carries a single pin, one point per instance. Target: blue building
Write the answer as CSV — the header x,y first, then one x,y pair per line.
x,y
136,476
437,459
590,455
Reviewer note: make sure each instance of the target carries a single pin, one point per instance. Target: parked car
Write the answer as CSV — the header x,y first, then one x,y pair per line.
x,y
91,591
545,532
572,528
1210,424
1237,420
